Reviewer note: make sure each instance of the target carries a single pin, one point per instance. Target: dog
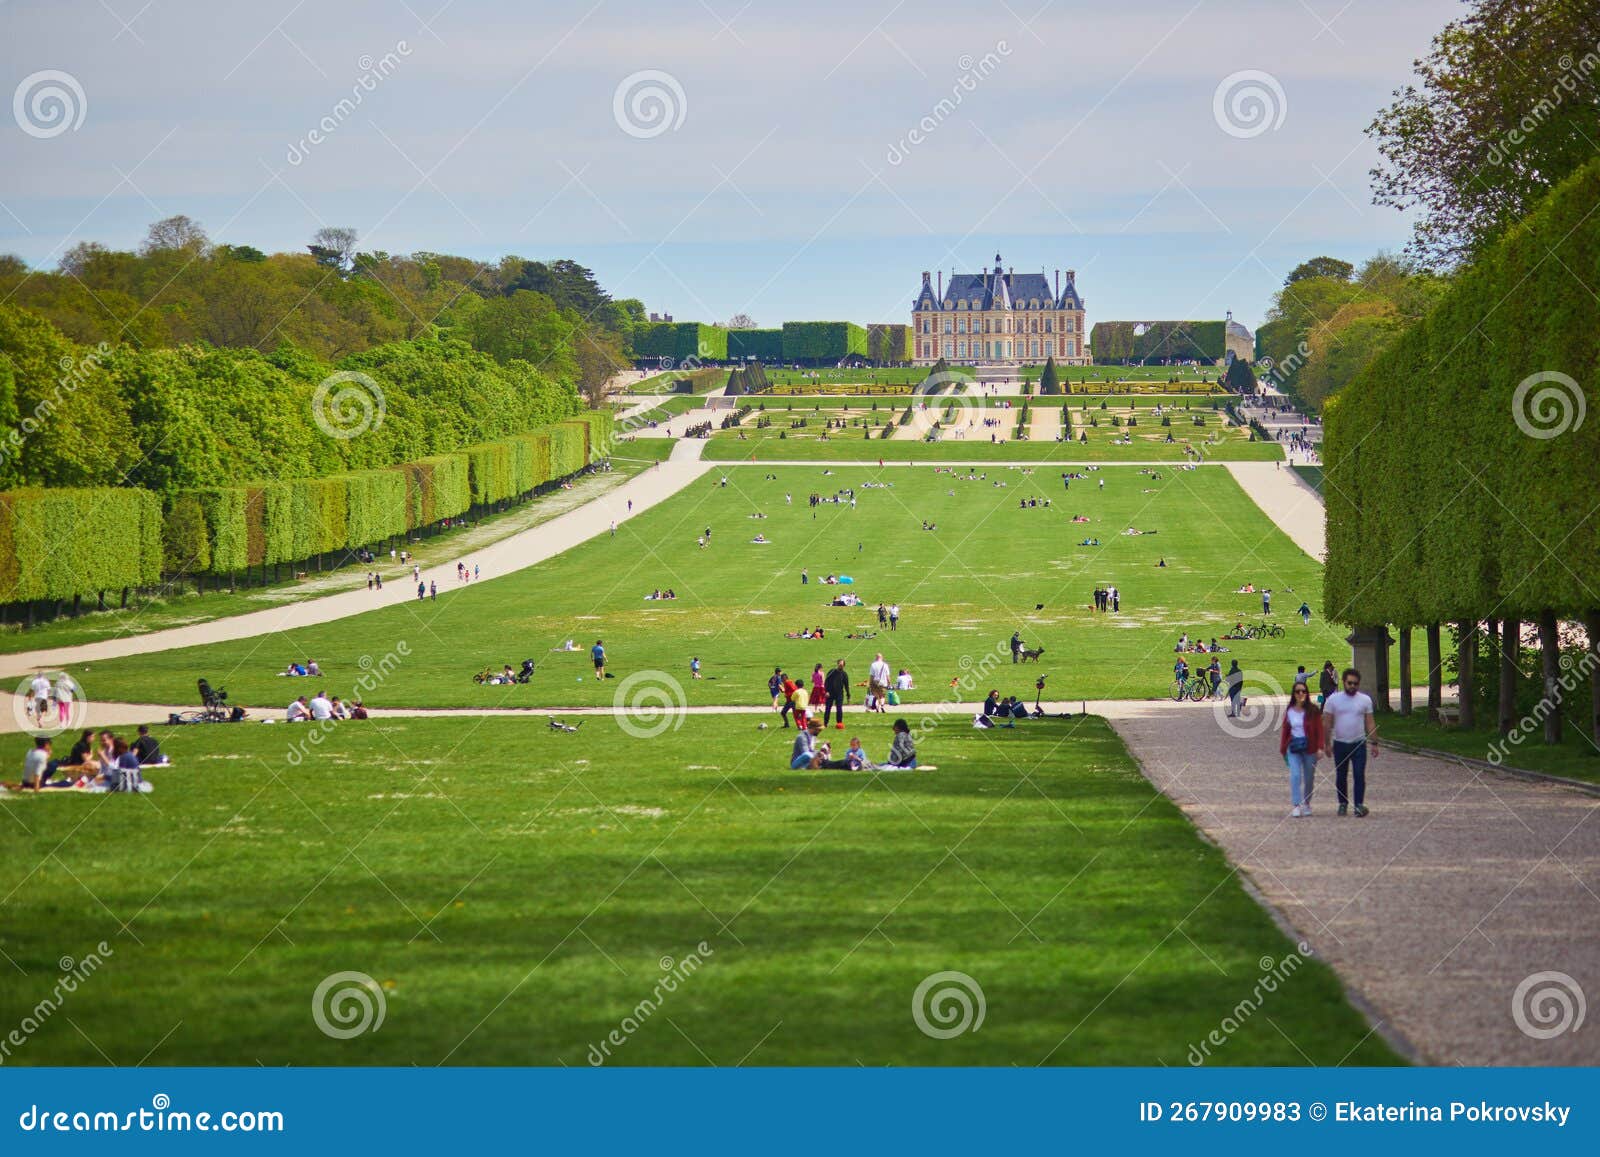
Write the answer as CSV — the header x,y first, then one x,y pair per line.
x,y
1034,655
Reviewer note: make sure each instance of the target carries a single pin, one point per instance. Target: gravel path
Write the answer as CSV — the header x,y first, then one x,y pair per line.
x,y
1458,888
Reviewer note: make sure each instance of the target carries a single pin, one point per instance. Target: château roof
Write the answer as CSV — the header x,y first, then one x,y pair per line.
x,y
997,289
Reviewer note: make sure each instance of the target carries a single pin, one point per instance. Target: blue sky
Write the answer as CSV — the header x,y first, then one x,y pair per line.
x,y
784,180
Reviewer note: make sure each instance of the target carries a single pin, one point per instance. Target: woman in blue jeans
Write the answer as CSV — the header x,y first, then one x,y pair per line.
x,y
1299,740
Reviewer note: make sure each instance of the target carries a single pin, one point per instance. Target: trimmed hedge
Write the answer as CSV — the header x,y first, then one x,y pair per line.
x,y
762,344
681,341
58,544
889,343
224,530
822,341
1114,342
1448,496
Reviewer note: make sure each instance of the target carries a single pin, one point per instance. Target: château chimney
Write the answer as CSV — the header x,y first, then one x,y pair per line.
x,y
1058,285
941,285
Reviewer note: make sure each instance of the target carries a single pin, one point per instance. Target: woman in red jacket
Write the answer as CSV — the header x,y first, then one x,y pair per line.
x,y
1299,740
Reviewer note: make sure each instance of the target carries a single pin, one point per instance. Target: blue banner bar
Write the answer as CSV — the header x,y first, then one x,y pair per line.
x,y
802,1111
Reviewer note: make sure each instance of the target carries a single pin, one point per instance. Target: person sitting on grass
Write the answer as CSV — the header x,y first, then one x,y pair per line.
x,y
902,749
358,711
804,757
313,669
298,711
856,758
338,711
37,765
146,750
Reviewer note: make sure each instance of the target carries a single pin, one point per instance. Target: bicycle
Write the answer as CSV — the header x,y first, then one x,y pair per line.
x,y
1193,688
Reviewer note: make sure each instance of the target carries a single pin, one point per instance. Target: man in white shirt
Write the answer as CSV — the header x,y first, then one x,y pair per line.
x,y
1349,733
877,684
320,707
297,710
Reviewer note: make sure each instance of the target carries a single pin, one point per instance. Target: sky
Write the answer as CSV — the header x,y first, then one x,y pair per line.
x,y
789,161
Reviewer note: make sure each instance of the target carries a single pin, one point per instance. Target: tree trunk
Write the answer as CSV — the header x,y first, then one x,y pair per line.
x,y
100,600
1405,670
1466,671
1435,673
1510,671
77,605
1591,623
1550,652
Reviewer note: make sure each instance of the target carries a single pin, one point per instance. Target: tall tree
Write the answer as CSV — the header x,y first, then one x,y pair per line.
x,y
334,247
177,232
1501,113
1320,267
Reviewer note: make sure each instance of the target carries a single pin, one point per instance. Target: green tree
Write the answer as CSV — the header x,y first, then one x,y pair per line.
x,y
1049,380
1320,267
1500,113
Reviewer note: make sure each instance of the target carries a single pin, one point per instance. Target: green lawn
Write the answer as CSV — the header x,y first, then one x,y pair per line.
x,y
849,445
183,604
1575,757
517,894
963,588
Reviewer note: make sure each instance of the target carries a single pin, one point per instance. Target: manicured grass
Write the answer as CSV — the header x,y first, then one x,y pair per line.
x,y
517,894
963,588
182,605
849,445
1312,475
1575,757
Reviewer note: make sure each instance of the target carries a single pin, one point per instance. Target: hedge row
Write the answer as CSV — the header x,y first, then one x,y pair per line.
x,y
226,529
1459,485
748,379
888,343
1114,342
681,341
822,341
762,344
57,544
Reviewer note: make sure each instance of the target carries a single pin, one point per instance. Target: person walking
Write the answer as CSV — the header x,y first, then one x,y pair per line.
x,y
598,654
1235,688
837,693
818,695
1016,646
1266,601
1305,613
422,591
883,616
877,684
1327,684
433,590
1299,740
894,616
1116,601
1351,735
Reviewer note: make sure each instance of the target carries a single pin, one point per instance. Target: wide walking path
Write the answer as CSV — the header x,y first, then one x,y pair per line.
x,y
1044,423
1435,910
1286,499
534,545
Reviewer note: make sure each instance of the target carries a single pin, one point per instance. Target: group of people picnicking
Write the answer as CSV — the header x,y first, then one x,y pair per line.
x,y
97,762
321,707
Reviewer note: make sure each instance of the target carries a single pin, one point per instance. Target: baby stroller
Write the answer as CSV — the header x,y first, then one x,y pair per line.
x,y
526,674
